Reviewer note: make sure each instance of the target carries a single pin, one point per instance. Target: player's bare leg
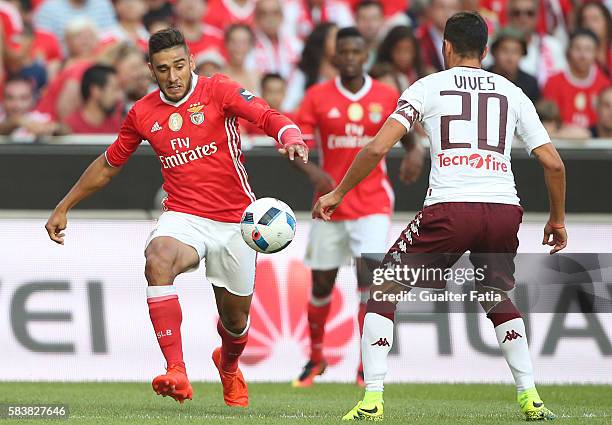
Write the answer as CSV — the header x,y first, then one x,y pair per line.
x,y
376,342
166,258
512,339
233,327
323,282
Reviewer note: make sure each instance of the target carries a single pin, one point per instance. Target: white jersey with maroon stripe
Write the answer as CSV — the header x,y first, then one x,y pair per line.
x,y
471,116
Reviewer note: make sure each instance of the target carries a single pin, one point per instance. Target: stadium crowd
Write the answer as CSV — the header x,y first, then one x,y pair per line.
x,y
77,66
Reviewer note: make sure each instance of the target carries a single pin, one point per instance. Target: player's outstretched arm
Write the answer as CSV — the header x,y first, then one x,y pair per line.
x,y
365,161
96,176
554,175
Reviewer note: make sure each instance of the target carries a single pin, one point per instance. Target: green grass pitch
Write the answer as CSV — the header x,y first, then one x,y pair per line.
x,y
439,404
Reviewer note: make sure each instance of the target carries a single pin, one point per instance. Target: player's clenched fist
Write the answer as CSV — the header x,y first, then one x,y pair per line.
x,y
326,205
56,225
555,236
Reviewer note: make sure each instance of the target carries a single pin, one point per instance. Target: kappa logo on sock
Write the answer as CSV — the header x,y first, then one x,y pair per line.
x,y
161,334
382,342
511,335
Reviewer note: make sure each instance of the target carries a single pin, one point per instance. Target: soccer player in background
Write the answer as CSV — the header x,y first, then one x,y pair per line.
x,y
468,113
190,123
346,113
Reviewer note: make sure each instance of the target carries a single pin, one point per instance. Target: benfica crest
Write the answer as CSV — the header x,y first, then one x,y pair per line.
x,y
196,115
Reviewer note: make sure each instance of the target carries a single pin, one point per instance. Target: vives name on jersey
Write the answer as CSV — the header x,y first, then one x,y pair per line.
x,y
474,83
186,156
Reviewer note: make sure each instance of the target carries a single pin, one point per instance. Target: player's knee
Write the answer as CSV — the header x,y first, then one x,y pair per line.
x,y
235,322
160,261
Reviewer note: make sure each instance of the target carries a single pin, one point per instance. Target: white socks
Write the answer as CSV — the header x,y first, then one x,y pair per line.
x,y
512,340
376,343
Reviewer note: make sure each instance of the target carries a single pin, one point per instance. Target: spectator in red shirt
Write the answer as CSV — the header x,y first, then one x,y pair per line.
x,y
33,46
596,17
401,50
239,43
431,34
575,90
130,27
18,120
223,13
198,35
275,51
102,96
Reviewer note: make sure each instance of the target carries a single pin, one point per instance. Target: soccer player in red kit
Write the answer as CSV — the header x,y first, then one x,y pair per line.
x,y
346,113
471,117
190,123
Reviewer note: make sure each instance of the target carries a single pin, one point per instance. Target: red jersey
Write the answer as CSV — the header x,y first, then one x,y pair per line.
x,y
576,99
197,142
345,122
222,13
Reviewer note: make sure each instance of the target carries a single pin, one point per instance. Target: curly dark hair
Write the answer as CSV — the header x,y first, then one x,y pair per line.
x,y
313,52
394,36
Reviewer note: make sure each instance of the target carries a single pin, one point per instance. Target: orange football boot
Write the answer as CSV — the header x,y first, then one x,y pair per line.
x,y
174,383
235,391
311,370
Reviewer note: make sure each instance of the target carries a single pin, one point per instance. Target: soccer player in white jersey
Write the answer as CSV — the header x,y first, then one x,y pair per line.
x,y
470,116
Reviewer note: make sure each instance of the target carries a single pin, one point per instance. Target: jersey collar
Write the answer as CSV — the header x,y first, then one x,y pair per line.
x,y
194,83
355,97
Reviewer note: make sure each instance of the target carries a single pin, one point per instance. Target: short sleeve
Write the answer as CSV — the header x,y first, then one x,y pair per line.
x,y
529,128
410,106
127,142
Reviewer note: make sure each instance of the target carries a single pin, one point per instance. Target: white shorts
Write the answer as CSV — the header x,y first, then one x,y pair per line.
x,y
229,262
333,243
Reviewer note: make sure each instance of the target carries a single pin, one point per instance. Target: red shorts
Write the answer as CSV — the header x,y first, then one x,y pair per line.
x,y
445,231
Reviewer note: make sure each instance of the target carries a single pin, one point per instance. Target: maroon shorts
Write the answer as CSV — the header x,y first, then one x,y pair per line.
x,y
443,232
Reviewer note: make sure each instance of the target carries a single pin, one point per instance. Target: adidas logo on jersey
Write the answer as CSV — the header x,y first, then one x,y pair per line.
x,y
333,113
156,127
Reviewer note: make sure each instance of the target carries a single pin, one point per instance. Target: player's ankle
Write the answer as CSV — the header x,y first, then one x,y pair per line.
x,y
372,397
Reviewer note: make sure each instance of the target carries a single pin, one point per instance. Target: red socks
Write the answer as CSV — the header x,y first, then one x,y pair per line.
x,y
232,346
166,316
318,310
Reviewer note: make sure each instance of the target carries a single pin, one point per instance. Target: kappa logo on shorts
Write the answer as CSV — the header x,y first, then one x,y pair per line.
x,y
511,335
382,342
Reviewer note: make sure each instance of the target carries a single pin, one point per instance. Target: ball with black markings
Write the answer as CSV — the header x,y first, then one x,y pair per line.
x,y
268,225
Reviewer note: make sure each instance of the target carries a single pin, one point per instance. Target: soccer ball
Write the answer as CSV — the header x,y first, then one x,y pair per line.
x,y
268,225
